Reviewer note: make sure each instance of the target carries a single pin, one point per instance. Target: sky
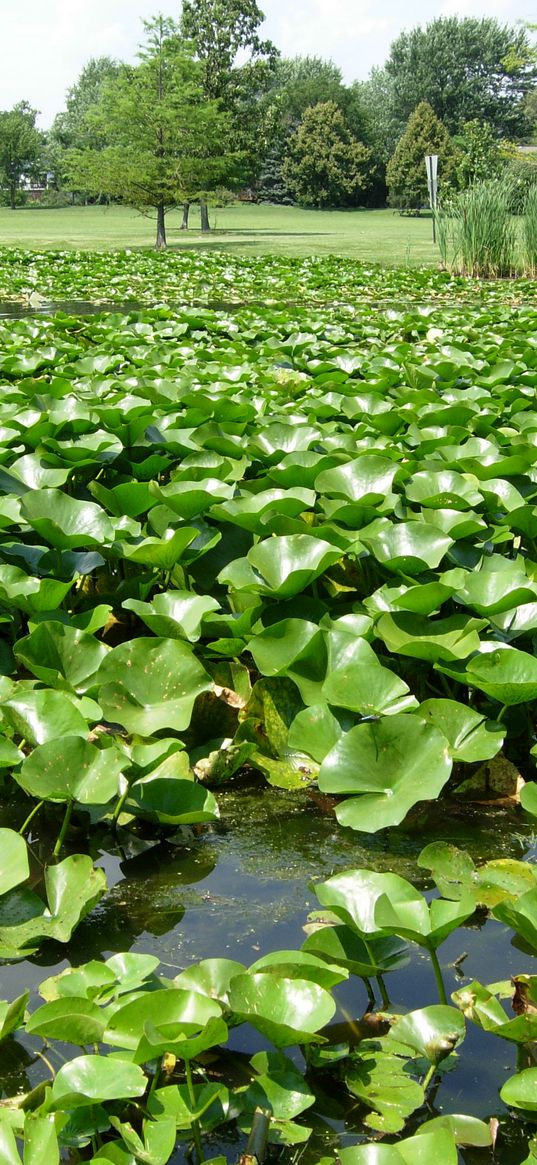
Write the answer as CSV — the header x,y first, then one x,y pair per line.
x,y
44,44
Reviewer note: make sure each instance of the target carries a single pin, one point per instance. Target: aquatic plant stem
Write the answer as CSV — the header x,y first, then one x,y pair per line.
x,y
428,1077
119,805
195,1124
64,828
438,976
30,818
383,992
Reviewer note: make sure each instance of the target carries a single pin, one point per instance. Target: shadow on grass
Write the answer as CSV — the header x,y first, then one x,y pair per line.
x,y
275,234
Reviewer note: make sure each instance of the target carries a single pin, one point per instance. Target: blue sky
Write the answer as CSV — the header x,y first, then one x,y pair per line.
x,y
44,44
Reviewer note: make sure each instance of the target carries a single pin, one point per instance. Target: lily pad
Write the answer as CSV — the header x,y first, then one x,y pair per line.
x,y
150,684
387,767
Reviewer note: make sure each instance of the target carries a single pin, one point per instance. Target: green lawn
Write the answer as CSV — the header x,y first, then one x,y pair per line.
x,y
371,235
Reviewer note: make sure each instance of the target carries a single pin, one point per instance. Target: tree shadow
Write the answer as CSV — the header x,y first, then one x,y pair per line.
x,y
198,236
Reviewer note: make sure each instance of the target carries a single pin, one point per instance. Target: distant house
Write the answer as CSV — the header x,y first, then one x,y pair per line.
x,y
34,188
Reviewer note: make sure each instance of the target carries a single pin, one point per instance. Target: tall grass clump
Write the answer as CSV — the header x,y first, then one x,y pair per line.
x,y
530,233
477,233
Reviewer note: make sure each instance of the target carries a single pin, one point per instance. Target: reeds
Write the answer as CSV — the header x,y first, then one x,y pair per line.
x,y
477,233
530,233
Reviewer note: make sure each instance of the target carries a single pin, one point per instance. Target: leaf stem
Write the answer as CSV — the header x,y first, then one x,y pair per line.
x,y
64,828
383,992
438,976
428,1077
30,818
195,1124
119,805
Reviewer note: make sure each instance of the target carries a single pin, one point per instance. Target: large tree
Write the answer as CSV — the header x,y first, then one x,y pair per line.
x,y
236,65
326,165
76,127
406,175
465,69
21,148
164,138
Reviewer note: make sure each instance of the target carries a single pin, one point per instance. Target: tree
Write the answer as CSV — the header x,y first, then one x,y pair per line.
x,y
465,68
297,83
236,70
77,127
326,165
383,126
405,174
480,154
164,139
21,148
74,127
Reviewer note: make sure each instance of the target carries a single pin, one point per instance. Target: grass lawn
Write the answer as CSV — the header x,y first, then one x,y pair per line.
x,y
370,235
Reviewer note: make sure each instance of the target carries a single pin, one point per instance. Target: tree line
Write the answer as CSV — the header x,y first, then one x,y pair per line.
x,y
212,110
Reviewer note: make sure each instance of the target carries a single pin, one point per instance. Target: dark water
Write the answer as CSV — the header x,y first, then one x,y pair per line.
x,y
75,307
242,888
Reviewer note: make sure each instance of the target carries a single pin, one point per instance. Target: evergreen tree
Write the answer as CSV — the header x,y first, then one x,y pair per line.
x,y
406,175
326,165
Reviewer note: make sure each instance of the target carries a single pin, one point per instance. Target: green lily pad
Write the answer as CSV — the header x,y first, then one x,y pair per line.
x,y
61,656
432,1032
387,767
150,684
65,522
174,614
95,1079
407,547
520,1091
287,1011
281,566
502,879
42,715
14,867
432,639
72,769
471,736
380,1081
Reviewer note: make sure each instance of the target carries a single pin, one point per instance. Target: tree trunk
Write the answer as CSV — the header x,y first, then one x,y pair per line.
x,y
186,212
161,228
13,195
204,215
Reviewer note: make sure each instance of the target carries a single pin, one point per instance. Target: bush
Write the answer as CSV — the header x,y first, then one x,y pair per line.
x,y
521,174
54,200
20,198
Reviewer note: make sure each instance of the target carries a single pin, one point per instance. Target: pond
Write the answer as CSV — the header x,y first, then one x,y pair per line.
x,y
243,886
216,892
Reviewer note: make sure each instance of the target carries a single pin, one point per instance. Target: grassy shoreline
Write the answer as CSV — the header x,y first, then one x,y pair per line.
x,y
379,236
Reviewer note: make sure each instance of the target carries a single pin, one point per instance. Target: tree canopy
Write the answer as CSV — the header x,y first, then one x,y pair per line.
x,y
21,148
465,69
164,139
236,69
406,175
326,165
